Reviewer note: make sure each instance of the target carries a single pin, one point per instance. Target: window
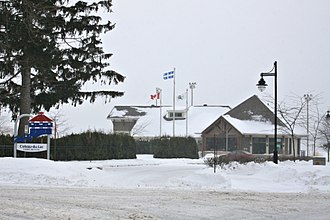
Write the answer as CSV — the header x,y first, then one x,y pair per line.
x,y
220,143
246,143
179,114
258,145
271,145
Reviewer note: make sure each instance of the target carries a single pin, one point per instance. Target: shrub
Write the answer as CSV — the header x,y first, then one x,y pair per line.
x,y
84,146
144,147
175,147
225,159
93,146
6,145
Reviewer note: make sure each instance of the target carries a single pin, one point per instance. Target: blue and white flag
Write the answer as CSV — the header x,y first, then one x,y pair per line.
x,y
168,75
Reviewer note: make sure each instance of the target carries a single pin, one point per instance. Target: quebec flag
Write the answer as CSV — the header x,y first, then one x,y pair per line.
x,y
168,75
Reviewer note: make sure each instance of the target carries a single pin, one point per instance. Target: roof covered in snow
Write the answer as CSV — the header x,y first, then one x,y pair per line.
x,y
152,119
254,117
253,109
128,111
255,127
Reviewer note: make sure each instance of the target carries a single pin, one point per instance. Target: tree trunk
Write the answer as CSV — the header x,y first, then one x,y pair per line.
x,y
25,97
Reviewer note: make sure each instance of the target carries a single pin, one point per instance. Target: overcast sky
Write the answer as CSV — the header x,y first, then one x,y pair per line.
x,y
221,45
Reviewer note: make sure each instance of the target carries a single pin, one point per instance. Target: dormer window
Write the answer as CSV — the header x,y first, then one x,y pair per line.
x,y
179,115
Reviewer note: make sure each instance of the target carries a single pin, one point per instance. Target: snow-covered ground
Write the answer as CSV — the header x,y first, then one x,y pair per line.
x,y
148,172
148,188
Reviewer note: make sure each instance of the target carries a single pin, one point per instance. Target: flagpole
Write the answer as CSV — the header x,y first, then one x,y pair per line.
x,y
174,102
186,112
160,111
156,96
160,120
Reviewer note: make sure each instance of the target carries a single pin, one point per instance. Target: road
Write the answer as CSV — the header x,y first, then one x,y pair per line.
x,y
108,203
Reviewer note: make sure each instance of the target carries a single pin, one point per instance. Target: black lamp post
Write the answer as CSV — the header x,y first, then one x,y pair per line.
x,y
262,86
327,119
2,87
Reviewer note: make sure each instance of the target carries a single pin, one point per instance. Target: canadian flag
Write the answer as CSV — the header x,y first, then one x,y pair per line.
x,y
155,96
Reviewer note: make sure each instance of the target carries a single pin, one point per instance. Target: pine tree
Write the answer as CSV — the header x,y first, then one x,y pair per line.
x,y
49,49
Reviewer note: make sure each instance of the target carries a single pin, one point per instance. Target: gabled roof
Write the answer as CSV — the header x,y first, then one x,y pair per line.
x,y
127,111
252,116
253,109
253,127
40,118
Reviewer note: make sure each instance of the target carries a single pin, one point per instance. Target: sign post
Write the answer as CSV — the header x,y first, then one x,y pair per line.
x,y
15,132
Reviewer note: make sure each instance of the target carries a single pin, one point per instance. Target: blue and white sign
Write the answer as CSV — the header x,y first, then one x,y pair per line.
x,y
40,128
31,147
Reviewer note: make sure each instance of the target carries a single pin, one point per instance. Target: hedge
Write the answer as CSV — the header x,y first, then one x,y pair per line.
x,y
175,147
84,146
94,146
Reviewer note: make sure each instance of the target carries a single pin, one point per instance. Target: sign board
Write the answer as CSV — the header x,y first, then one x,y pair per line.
x,y
40,125
31,147
35,132
319,161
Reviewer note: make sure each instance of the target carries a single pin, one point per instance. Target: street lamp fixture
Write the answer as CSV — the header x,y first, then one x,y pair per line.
x,y
2,86
327,117
192,85
262,86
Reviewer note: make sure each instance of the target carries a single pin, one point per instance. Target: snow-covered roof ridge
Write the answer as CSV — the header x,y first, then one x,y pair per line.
x,y
253,109
127,111
253,127
252,116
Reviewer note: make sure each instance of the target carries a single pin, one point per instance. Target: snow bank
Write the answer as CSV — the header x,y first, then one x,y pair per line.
x,y
147,172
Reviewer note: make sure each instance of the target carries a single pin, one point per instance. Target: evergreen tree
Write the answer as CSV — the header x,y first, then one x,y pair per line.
x,y
49,49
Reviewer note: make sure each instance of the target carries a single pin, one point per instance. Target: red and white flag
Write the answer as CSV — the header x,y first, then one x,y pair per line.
x,y
155,96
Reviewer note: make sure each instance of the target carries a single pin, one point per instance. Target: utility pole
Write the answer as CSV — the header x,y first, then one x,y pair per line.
x,y
187,110
192,86
308,97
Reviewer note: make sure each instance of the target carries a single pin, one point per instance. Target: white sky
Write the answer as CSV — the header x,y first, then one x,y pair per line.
x,y
221,45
